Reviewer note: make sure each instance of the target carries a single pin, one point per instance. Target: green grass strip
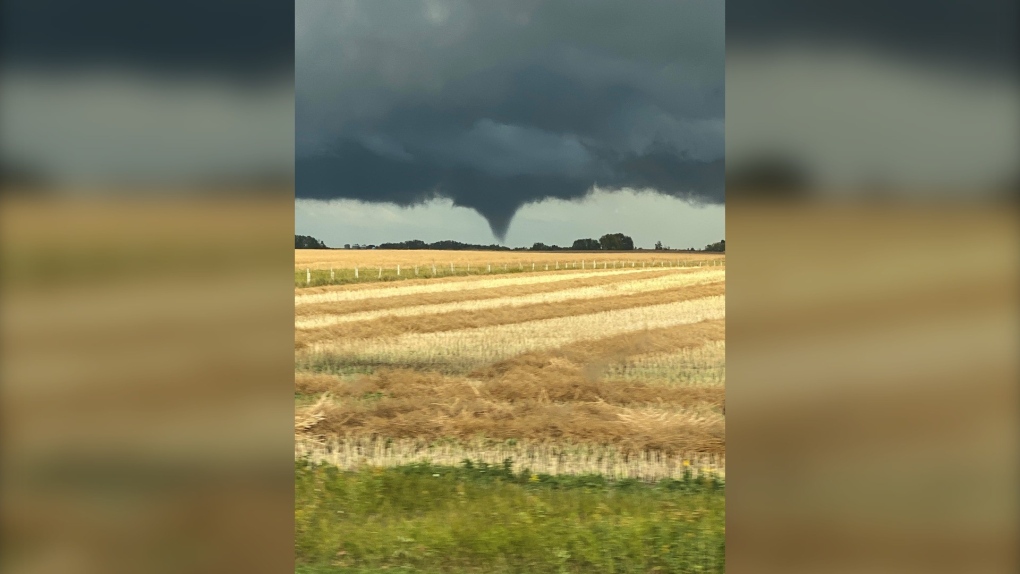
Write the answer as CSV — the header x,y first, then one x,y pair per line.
x,y
478,518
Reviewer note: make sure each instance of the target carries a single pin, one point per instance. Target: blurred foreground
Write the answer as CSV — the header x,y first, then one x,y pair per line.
x,y
147,375
503,519
874,418
873,335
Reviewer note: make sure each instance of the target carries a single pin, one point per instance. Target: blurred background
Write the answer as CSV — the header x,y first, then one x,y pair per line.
x,y
873,266
145,327
146,316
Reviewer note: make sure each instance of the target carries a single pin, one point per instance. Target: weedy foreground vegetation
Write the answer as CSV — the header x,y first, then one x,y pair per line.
x,y
482,518
553,421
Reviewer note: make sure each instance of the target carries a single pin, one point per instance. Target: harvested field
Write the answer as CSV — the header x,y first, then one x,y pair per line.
x,y
305,306
416,266
453,319
348,258
618,372
540,457
506,338
470,302
688,366
378,290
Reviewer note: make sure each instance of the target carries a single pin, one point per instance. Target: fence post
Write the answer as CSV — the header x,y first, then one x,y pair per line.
x,y
489,268
355,271
433,269
532,265
332,274
415,270
398,270
380,272
308,276
582,264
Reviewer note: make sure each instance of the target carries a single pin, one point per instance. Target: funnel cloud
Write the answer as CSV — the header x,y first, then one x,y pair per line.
x,y
498,105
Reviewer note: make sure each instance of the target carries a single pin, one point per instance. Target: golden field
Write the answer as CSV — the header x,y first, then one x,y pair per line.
x,y
347,258
619,371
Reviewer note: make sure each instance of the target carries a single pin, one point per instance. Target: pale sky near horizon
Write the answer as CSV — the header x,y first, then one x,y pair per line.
x,y
646,217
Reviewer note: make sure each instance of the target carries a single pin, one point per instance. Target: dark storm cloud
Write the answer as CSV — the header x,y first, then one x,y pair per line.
x,y
972,32
238,38
111,94
495,105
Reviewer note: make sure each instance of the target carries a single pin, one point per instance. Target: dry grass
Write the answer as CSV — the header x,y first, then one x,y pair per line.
x,y
473,347
609,357
348,258
377,290
558,297
389,326
551,394
606,357
705,365
542,457
611,371
555,381
429,406
471,294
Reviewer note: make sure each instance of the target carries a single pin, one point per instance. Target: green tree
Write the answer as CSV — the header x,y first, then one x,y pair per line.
x,y
719,247
616,242
585,245
308,242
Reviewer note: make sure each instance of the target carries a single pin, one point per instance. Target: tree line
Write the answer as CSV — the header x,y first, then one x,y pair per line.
x,y
308,242
608,242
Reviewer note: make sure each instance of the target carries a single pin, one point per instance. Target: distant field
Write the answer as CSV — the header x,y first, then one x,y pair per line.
x,y
323,258
615,374
318,267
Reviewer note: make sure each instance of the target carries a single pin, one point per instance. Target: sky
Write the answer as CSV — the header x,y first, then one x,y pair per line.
x,y
913,98
647,217
496,105
515,121
147,97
